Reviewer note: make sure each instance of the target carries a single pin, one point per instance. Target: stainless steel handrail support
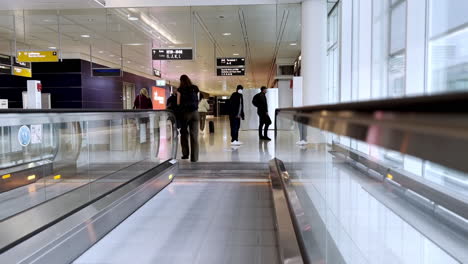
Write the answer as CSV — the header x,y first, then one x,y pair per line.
x,y
288,244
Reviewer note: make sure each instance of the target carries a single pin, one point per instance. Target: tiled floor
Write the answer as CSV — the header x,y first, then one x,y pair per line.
x,y
195,222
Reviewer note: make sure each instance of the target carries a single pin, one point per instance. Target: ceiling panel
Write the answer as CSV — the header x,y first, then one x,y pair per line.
x,y
111,31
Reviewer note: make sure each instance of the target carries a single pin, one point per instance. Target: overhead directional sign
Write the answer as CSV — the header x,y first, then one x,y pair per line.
x,y
37,56
221,62
157,73
230,71
172,54
23,72
21,64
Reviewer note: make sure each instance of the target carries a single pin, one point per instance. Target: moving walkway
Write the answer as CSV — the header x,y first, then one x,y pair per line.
x,y
378,182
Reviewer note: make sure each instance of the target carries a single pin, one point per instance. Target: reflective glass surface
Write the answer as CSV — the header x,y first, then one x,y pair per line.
x,y
46,155
355,212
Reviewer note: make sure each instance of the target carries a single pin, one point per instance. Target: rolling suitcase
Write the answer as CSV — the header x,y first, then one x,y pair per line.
x,y
211,125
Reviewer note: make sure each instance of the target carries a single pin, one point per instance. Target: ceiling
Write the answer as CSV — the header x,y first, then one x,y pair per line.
x,y
261,33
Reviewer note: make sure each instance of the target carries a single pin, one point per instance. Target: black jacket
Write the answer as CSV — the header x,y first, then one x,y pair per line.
x,y
260,101
172,103
188,99
234,102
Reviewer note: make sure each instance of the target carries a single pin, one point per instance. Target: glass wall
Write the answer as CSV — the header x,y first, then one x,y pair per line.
x,y
447,46
416,47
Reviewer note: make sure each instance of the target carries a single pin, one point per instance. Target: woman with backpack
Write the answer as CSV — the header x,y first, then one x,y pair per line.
x,y
187,100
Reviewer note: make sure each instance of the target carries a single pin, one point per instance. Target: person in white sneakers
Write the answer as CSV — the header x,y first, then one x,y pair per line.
x,y
236,113
302,131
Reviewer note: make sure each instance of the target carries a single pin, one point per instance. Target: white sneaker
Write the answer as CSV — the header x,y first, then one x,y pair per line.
x,y
301,142
240,142
235,143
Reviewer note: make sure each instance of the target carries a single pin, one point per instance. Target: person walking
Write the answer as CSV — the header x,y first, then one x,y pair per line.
x,y
260,101
203,108
187,100
142,101
236,113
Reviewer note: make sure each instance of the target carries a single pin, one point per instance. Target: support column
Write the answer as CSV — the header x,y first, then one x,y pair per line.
x,y
314,52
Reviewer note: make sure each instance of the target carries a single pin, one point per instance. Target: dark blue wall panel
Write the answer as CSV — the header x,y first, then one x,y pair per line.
x,y
107,92
100,92
71,85
61,79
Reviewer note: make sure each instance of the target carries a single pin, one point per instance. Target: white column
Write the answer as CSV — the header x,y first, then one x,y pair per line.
x,y
314,52
415,46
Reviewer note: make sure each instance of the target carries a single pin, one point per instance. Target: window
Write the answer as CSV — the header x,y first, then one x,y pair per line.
x,y
447,46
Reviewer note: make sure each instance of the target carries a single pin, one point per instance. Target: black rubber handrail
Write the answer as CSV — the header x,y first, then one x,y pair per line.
x,y
439,103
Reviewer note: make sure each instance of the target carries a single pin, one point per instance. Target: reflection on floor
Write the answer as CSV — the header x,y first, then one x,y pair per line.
x,y
195,222
217,147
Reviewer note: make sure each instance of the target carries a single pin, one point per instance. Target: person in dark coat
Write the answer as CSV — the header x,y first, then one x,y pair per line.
x,y
260,101
236,113
187,101
143,101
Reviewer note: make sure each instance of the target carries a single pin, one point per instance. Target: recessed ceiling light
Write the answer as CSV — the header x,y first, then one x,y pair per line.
x,y
90,19
46,20
132,18
101,51
52,47
236,54
85,36
293,44
227,34
134,44
129,62
112,55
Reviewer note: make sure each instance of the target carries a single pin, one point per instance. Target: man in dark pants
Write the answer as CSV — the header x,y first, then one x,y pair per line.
x,y
236,112
260,101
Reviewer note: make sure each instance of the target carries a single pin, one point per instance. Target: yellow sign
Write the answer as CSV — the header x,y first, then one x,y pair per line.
x,y
37,56
23,72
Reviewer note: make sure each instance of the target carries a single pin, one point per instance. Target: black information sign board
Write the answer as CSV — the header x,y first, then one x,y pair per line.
x,y
157,73
172,54
107,72
21,64
5,59
220,62
230,71
5,69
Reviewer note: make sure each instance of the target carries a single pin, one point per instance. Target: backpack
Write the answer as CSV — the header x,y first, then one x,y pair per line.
x,y
255,100
189,99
